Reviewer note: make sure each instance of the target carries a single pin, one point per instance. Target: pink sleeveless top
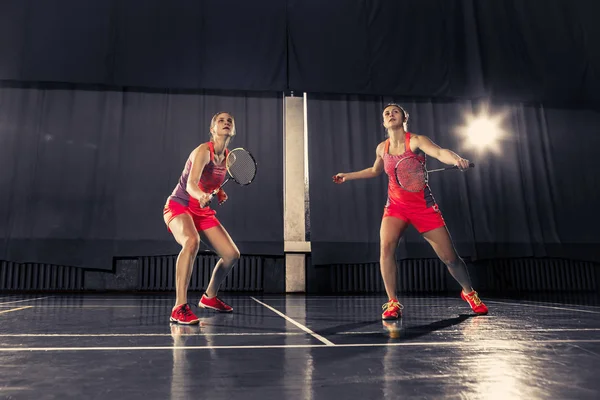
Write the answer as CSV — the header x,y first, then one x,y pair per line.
x,y
397,195
212,177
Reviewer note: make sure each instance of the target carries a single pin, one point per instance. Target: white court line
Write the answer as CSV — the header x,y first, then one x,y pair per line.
x,y
382,332
497,344
101,306
150,334
142,307
355,298
287,305
21,301
443,332
535,302
299,325
242,306
540,306
107,299
111,298
14,309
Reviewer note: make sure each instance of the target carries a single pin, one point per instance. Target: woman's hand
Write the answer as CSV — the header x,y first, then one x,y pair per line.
x,y
462,163
339,178
222,196
205,199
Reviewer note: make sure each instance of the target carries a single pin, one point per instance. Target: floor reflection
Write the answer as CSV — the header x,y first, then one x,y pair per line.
x,y
502,369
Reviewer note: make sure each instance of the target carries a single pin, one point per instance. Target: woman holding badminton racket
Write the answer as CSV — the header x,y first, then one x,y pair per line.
x,y
187,213
410,202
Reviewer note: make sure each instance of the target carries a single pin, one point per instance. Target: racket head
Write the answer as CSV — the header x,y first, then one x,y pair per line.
x,y
411,174
241,166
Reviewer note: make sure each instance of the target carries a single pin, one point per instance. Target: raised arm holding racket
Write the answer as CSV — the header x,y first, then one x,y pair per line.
x,y
410,202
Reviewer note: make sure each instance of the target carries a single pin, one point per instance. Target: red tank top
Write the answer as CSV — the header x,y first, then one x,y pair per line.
x,y
397,195
212,177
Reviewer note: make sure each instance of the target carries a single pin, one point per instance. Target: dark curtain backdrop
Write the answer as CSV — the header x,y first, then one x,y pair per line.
x,y
535,196
518,50
184,44
416,48
78,187
86,172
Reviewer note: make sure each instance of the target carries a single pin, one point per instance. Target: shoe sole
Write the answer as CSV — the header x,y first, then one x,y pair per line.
x,y
391,318
196,321
214,308
478,313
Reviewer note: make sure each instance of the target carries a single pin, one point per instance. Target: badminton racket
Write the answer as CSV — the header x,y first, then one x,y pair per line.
x,y
241,167
412,174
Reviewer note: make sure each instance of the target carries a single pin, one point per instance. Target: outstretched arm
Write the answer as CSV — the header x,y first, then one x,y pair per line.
x,y
366,173
444,155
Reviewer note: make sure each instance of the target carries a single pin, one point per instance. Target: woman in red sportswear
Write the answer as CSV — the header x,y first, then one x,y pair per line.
x,y
405,208
187,214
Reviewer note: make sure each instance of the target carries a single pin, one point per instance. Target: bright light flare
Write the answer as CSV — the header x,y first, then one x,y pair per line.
x,y
482,132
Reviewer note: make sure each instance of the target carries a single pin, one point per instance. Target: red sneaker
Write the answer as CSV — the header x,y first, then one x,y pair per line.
x,y
182,314
393,310
475,302
214,303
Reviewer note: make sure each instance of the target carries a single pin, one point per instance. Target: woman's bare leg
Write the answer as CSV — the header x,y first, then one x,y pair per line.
x,y
185,233
228,252
390,232
441,242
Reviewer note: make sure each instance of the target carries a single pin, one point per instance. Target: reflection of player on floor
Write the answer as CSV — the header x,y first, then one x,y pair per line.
x,y
188,213
405,208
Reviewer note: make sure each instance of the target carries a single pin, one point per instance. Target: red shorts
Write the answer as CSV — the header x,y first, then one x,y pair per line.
x,y
203,219
424,219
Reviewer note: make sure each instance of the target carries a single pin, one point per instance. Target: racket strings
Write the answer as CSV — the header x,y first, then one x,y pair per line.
x,y
411,174
241,166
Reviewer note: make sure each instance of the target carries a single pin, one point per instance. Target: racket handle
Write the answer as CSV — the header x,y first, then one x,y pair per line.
x,y
217,190
471,165
213,193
